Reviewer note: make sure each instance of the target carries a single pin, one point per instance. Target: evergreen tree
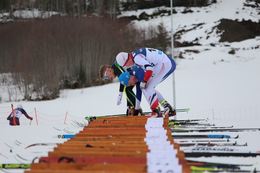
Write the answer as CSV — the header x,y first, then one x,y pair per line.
x,y
162,37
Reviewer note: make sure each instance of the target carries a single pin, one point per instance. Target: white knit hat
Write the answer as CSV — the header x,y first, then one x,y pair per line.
x,y
121,58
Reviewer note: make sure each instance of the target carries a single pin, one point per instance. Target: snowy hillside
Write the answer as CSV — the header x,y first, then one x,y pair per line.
x,y
200,22
212,81
217,75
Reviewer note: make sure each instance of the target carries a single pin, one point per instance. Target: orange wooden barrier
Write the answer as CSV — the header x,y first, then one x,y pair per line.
x,y
111,144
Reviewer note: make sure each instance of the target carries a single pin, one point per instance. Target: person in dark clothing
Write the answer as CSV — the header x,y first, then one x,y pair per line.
x,y
110,72
16,114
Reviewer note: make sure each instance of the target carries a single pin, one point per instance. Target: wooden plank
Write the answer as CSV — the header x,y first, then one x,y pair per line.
x,y
107,144
96,159
90,166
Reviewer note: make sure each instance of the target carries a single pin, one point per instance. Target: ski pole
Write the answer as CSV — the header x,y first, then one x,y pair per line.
x,y
13,112
36,116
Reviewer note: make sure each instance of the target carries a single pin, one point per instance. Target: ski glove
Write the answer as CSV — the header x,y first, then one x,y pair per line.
x,y
119,98
143,85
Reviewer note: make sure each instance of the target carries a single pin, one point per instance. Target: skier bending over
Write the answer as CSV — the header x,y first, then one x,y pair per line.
x,y
108,72
14,121
156,67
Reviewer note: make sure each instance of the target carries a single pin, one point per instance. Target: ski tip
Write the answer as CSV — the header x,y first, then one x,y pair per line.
x,y
59,136
90,118
87,118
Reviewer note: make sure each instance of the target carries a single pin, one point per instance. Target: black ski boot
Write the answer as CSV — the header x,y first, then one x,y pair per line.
x,y
156,113
130,111
138,112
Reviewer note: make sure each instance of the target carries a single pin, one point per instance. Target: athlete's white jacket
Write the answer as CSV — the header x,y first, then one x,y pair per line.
x,y
159,65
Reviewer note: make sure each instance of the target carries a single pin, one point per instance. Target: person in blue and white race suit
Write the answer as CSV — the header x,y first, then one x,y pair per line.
x,y
18,112
110,72
157,67
133,77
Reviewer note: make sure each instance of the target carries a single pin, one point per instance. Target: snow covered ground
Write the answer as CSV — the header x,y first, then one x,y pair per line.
x,y
214,84
226,92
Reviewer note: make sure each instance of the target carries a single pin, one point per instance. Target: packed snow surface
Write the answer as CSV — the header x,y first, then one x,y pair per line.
x,y
222,87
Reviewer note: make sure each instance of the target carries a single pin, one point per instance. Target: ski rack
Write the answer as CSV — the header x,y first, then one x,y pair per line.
x,y
197,138
117,144
206,145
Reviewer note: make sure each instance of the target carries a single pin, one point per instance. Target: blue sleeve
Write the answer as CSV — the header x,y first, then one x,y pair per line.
x,y
138,92
138,72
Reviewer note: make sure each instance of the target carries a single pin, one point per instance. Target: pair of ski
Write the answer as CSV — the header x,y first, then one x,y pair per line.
x,y
202,166
15,166
214,136
91,118
231,153
210,144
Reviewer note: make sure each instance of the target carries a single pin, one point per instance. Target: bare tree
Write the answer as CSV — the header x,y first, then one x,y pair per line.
x,y
54,55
